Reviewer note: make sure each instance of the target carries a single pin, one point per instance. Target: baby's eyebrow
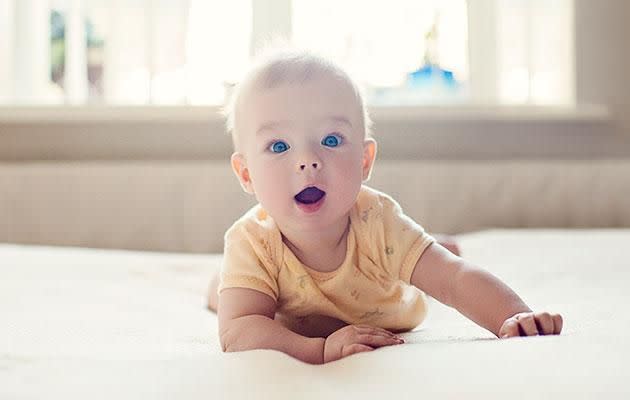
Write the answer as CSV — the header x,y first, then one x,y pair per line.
x,y
270,126
275,125
341,119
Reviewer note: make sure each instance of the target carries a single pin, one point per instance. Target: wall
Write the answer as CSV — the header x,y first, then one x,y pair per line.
x,y
603,58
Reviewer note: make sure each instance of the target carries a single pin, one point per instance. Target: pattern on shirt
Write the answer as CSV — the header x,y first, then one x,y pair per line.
x,y
365,214
303,280
372,314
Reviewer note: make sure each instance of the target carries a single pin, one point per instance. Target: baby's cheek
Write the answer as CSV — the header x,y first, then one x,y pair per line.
x,y
348,182
351,172
269,188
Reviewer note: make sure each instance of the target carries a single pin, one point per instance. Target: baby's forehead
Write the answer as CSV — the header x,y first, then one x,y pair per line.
x,y
286,82
315,100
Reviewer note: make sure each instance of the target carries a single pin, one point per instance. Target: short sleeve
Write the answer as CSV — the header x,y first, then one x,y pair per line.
x,y
248,262
404,240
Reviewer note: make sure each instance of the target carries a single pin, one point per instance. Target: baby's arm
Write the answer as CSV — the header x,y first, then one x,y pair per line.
x,y
479,295
246,322
448,242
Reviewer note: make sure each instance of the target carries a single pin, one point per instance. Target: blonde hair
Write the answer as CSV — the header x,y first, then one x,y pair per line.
x,y
276,66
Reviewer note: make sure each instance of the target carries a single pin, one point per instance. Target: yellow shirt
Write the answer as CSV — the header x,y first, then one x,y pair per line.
x,y
371,286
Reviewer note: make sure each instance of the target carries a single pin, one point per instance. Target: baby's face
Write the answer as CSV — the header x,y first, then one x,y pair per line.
x,y
305,135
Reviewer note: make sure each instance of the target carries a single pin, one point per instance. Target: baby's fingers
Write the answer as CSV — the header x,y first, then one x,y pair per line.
x,y
557,323
354,349
509,329
527,323
531,324
548,324
545,323
371,330
378,340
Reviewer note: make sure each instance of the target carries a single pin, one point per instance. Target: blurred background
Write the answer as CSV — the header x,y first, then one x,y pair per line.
x,y
488,113
189,52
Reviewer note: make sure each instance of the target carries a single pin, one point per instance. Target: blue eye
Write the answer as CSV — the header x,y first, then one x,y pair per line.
x,y
332,140
279,147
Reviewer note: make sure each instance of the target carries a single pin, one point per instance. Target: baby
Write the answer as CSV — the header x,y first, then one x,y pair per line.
x,y
325,267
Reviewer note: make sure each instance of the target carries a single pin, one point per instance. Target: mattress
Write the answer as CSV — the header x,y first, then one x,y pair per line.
x,y
114,324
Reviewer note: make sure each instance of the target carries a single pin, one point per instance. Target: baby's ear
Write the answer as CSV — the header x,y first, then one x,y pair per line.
x,y
239,166
369,155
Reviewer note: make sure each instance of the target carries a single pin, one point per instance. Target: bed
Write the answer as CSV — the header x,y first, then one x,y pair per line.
x,y
80,323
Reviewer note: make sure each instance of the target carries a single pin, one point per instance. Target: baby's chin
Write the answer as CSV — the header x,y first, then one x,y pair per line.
x,y
324,218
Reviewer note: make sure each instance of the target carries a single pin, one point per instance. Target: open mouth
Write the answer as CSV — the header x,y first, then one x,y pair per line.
x,y
309,195
310,199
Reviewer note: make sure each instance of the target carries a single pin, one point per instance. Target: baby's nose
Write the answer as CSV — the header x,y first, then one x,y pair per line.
x,y
314,165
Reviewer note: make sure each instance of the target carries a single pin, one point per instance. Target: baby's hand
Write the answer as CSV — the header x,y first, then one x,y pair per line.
x,y
354,339
531,324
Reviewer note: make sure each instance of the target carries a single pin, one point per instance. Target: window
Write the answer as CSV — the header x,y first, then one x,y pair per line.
x,y
404,52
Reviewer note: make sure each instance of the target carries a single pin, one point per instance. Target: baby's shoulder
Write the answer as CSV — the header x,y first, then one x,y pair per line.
x,y
372,204
255,221
257,227
377,215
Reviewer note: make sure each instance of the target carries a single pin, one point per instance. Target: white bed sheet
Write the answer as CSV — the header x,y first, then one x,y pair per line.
x,y
90,323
